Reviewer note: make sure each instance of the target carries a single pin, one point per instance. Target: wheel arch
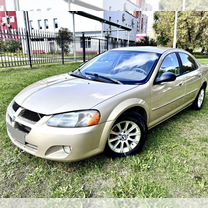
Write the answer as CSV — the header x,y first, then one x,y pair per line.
x,y
204,84
130,105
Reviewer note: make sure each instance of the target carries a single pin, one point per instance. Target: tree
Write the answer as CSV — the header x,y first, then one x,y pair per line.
x,y
192,29
163,27
64,38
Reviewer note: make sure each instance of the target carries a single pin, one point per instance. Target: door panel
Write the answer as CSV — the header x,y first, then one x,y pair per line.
x,y
168,97
193,84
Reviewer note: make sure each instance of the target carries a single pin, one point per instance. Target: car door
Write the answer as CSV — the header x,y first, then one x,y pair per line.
x,y
192,75
167,97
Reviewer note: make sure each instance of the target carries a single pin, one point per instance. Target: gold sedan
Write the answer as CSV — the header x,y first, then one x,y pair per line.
x,y
108,104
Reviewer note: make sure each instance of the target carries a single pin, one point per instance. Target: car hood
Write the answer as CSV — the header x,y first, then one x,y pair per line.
x,y
64,93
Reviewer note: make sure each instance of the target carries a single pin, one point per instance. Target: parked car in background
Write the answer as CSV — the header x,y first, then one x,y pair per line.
x,y
108,104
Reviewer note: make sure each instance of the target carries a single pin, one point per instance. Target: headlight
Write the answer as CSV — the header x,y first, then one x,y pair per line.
x,y
75,119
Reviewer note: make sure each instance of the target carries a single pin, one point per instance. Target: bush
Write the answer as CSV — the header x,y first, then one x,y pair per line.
x,y
2,47
11,46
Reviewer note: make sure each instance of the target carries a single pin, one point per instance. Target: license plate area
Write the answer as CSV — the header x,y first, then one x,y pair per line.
x,y
17,135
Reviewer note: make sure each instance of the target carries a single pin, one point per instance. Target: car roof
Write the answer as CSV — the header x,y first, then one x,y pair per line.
x,y
159,50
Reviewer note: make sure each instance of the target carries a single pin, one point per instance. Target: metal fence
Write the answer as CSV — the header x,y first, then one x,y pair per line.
x,y
21,48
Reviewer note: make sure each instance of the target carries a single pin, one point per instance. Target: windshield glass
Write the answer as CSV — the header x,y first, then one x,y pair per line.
x,y
127,67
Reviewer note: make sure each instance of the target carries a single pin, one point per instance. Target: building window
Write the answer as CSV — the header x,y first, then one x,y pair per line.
x,y
40,25
55,22
31,25
46,24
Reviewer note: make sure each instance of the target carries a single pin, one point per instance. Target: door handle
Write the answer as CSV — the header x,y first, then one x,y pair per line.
x,y
180,84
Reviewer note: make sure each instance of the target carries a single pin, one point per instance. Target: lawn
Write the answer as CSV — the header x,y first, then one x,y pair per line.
x,y
174,162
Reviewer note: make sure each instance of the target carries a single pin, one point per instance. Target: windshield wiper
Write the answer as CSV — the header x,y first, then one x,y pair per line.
x,y
97,76
80,75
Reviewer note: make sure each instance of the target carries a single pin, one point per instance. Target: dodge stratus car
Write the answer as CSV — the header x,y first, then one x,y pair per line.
x,y
108,104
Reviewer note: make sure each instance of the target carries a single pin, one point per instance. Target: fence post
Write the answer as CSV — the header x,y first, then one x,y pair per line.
x,y
62,49
28,49
27,38
84,48
107,43
99,47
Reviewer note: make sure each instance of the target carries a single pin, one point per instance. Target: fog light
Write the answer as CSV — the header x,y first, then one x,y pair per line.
x,y
67,149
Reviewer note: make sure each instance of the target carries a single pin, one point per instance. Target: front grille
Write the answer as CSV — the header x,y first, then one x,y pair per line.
x,y
22,127
30,115
15,106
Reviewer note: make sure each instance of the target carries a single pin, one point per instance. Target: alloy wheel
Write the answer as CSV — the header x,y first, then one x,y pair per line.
x,y
124,137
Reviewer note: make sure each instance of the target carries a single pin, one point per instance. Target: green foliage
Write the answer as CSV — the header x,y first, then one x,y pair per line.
x,y
163,27
192,29
1,45
11,46
64,38
147,42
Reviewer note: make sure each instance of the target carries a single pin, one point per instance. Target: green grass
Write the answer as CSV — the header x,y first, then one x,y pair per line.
x,y
174,162
203,61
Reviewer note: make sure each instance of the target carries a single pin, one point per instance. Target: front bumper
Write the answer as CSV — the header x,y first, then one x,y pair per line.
x,y
49,142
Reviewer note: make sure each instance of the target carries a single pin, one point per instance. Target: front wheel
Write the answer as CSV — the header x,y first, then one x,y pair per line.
x,y
198,103
127,136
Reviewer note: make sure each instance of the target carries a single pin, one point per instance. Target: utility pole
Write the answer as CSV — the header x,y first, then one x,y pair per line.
x,y
175,30
176,24
69,5
16,5
74,37
184,5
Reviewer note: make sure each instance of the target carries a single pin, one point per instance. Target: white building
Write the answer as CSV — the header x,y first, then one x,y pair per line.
x,y
51,15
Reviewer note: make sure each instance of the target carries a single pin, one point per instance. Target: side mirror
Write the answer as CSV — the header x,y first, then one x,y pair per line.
x,y
166,77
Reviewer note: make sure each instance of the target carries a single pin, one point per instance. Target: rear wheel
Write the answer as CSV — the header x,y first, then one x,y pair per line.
x,y
127,136
198,103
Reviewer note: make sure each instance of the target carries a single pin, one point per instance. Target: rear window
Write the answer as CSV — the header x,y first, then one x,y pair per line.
x,y
188,63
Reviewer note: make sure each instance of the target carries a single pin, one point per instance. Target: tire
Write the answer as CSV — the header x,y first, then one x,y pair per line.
x,y
199,101
127,136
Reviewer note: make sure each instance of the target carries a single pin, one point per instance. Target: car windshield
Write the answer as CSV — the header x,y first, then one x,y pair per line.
x,y
126,67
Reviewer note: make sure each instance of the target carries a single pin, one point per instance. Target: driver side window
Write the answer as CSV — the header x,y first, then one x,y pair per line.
x,y
170,64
